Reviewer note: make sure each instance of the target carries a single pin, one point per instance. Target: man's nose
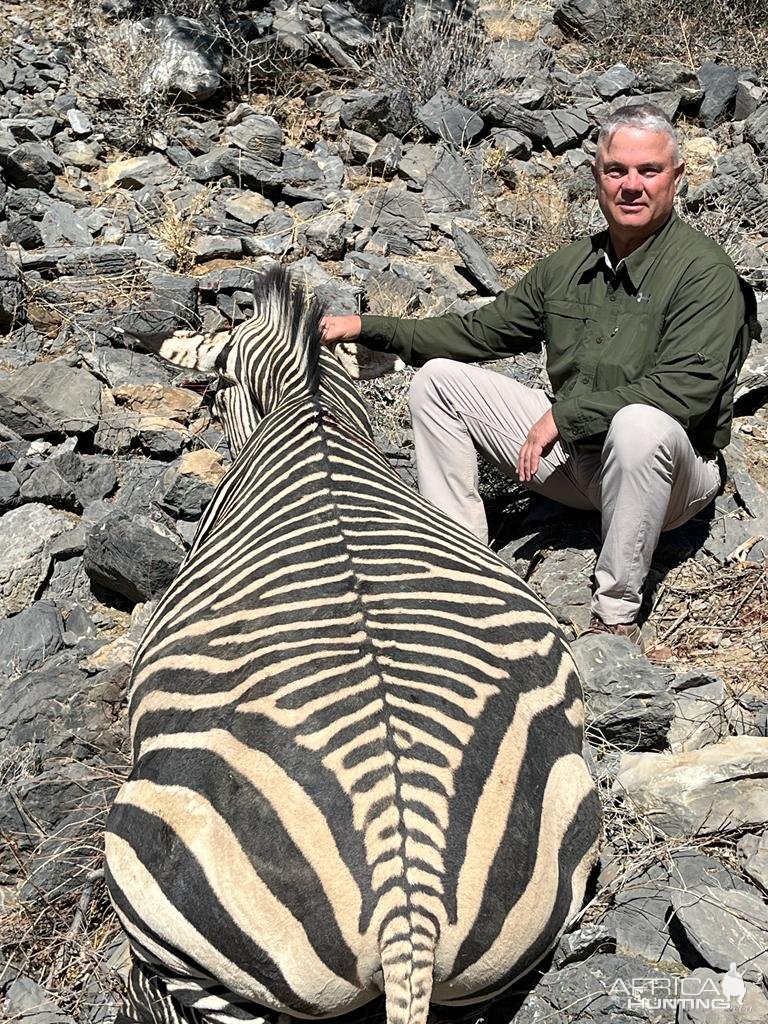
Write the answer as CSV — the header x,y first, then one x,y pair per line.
x,y
632,182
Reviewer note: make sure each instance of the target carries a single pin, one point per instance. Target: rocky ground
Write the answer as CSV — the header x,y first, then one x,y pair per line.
x,y
399,176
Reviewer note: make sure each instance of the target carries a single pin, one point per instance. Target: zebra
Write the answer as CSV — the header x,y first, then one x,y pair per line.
x,y
356,733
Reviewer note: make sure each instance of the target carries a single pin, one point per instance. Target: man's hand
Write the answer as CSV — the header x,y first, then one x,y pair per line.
x,y
539,441
340,328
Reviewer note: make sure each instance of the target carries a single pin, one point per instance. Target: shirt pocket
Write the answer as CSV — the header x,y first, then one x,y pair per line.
x,y
565,328
627,350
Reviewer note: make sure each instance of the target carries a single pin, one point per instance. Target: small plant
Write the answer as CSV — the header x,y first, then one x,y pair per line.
x,y
429,51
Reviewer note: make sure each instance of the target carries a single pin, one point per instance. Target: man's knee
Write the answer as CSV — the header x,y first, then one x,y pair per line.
x,y
638,432
427,381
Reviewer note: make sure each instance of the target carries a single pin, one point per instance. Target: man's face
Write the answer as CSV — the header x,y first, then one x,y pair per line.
x,y
636,179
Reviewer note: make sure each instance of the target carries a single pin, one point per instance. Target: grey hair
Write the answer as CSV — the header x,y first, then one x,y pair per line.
x,y
646,116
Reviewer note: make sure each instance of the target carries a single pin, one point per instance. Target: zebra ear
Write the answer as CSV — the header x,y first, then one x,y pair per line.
x,y
195,351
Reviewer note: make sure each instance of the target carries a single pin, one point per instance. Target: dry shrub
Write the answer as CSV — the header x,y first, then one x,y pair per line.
x,y
426,52
691,31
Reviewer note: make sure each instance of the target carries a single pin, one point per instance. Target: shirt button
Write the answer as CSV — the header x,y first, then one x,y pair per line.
x,y
612,297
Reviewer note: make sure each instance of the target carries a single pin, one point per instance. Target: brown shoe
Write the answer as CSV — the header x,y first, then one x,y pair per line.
x,y
630,630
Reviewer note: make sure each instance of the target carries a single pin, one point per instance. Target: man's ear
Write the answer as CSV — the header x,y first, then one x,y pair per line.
x,y
679,172
593,168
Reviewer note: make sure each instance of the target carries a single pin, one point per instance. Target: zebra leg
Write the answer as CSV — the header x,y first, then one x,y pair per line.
x,y
148,1001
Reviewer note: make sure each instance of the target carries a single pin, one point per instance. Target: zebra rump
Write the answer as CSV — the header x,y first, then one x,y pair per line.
x,y
356,733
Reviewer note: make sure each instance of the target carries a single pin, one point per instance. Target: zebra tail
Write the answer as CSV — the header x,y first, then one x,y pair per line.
x,y
407,961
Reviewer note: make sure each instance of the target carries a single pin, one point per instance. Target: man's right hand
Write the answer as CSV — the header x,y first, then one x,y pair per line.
x,y
340,328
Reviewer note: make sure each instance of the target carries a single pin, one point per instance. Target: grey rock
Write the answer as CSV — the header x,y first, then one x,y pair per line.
x,y
138,172
71,480
97,261
588,19
394,209
513,143
359,146
325,236
565,127
719,83
129,556
700,716
25,534
259,135
618,79
584,943
669,102
756,130
229,279
519,60
126,366
699,791
27,639
191,60
448,187
344,26
450,120
9,491
505,111
33,165
50,398
378,113
627,697
215,247
385,156
23,231
749,95
12,299
79,122
714,1000
722,926
418,162
753,851
186,494
639,916
29,1003
250,171
170,306
479,266
61,223
672,76
562,580
598,990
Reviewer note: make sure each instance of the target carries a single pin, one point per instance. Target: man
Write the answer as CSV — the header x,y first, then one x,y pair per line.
x,y
645,333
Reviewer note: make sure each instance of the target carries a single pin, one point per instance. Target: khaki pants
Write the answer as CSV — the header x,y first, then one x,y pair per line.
x,y
647,477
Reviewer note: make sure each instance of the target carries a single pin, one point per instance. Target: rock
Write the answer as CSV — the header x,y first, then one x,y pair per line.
x,y
130,557
756,130
564,128
672,76
325,236
27,639
588,19
12,299
119,366
24,558
79,122
605,988
215,247
479,266
70,480
395,211
448,187
719,83
189,62
378,113
714,998
700,716
9,491
62,223
627,697
26,1002
753,851
139,171
50,398
450,120
514,144
96,261
249,208
189,486
504,111
562,580
33,165
748,98
618,79
583,943
259,134
344,26
385,156
723,925
699,791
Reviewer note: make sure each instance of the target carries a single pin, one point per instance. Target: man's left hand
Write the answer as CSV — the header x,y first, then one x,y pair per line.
x,y
539,441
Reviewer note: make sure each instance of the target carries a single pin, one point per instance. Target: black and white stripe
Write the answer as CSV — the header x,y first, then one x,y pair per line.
x,y
356,733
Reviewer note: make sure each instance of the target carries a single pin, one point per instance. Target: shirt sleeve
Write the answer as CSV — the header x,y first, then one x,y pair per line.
x,y
703,320
511,323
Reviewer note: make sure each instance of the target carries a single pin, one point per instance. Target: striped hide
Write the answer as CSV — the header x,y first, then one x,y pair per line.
x,y
356,733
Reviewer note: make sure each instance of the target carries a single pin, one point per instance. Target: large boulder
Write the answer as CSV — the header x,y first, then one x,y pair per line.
x,y
132,557
25,534
50,398
189,61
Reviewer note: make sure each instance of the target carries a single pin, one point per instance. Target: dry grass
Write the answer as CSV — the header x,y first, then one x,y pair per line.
x,y
174,226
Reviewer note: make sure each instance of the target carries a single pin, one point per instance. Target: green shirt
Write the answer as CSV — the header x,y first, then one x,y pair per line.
x,y
665,328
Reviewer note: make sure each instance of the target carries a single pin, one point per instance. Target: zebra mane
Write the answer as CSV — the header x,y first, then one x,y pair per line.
x,y
281,299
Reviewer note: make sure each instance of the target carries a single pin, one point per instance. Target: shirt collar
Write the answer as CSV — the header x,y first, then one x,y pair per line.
x,y
639,262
